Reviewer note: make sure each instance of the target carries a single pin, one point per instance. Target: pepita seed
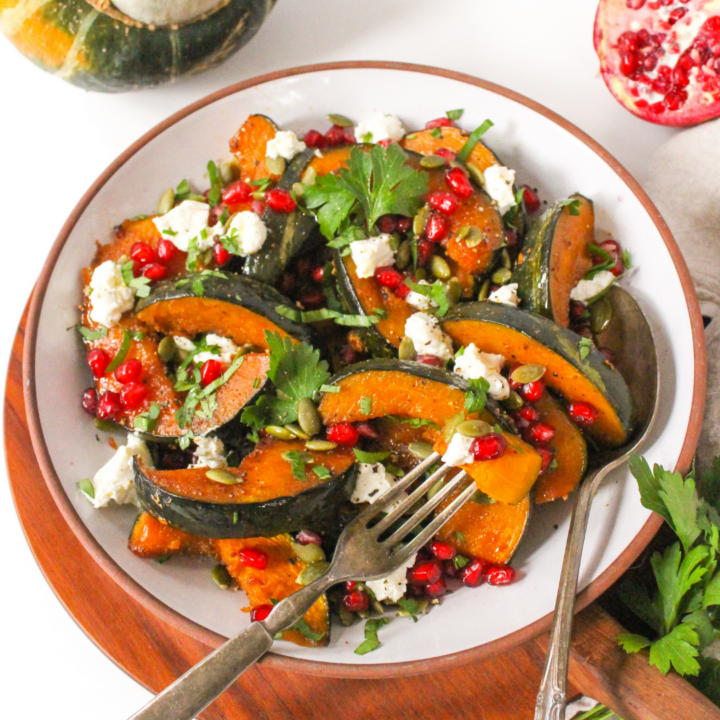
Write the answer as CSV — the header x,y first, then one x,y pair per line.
x,y
454,291
527,373
278,432
309,553
403,255
473,237
394,242
462,233
309,417
474,428
123,259
439,268
206,256
484,290
296,430
308,177
421,274
601,314
229,170
406,351
420,220
432,161
502,276
221,577
312,572
451,426
421,450
275,166
258,195
513,401
166,202
167,349
320,445
222,476
347,618
476,174
505,259
435,489
377,607
298,188
481,498
340,120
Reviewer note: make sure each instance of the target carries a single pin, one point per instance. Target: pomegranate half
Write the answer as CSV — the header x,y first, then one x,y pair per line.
x,y
661,59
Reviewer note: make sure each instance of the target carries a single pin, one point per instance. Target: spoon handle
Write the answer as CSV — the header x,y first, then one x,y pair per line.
x,y
551,698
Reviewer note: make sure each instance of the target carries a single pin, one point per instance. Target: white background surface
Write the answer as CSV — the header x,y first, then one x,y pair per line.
x,y
56,139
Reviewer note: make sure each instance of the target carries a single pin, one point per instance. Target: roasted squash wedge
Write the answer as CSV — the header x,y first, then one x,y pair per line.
x,y
151,538
249,146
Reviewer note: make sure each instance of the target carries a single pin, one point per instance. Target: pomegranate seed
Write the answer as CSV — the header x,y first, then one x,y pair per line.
x,y
425,573
511,237
312,299
98,360
615,251
576,311
540,433
356,601
343,434
253,557
473,573
141,252
238,192
500,575
260,613
90,401
439,122
133,395
349,136
384,143
335,136
280,200
442,551
210,371
165,250
318,273
389,277
488,447
582,413
436,590
387,224
443,202
366,430
458,180
431,360
528,413
403,224
154,271
314,139
403,291
531,199
129,371
137,268
349,355
258,207
108,407
220,254
436,228
350,585
449,155
215,214
547,458
425,251
308,537
532,391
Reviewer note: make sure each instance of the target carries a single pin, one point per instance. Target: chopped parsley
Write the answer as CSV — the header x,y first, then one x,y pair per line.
x,y
87,487
371,641
573,206
91,335
476,397
436,293
436,133
473,140
365,405
215,194
298,461
141,284
584,347
369,457
339,318
122,352
454,114
147,421
321,471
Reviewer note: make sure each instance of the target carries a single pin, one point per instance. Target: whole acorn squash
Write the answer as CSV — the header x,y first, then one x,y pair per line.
x,y
98,47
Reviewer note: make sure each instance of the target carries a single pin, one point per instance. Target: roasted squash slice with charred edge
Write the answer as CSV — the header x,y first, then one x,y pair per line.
x,y
249,146
524,337
412,390
555,258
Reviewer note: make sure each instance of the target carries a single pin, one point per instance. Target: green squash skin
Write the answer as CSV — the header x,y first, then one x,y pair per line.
x,y
316,507
115,57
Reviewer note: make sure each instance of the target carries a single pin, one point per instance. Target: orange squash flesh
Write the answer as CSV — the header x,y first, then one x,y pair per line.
x,y
151,538
450,138
249,146
516,347
330,160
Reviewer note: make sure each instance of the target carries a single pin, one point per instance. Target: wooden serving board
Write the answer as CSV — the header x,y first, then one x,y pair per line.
x,y
154,653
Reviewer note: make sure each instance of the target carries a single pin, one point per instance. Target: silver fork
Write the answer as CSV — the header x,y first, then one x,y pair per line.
x,y
360,555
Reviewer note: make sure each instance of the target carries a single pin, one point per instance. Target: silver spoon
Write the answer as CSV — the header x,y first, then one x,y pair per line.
x,y
630,339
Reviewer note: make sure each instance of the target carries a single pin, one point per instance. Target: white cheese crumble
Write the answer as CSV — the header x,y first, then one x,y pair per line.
x,y
210,452
394,586
380,127
498,181
114,480
183,343
227,350
187,221
110,296
370,254
248,229
427,337
458,451
587,289
418,300
505,295
473,365
372,481
285,144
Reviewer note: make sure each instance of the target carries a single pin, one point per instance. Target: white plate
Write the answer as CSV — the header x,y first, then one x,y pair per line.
x,y
547,153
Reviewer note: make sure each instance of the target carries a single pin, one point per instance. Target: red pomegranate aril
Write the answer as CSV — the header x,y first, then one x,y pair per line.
x,y
253,557
436,590
356,601
449,155
443,202
260,613
425,251
431,360
450,569
615,251
436,228
349,355
387,224
366,430
458,180
531,199
547,458
500,575
439,122
154,271
210,371
280,200
165,250
442,550
312,299
220,254
350,585
258,207
343,434
532,391
90,401
540,433
389,277
314,139
473,574
238,192
403,224
335,136
133,395
582,413
141,252
403,291
425,573
349,136
108,407
384,143
308,537
488,447
129,371
577,310
529,413
98,360
318,273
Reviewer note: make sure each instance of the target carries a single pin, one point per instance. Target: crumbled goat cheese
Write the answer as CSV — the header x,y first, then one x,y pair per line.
x,y
284,145
187,221
372,481
473,365
587,289
427,337
226,352
418,300
248,229
380,127
210,452
110,297
370,254
114,480
498,181
394,586
458,451
505,295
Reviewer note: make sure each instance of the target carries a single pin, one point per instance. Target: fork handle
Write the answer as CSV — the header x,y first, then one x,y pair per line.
x,y
552,695
199,686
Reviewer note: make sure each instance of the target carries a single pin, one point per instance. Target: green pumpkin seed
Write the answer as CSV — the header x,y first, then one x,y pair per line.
x,y
481,498
474,428
320,445
206,256
166,202
123,259
309,176
421,450
229,170
527,373
476,174
462,233
222,476
167,349
403,257
432,161
451,426
298,188
275,166
278,432
347,618
312,572
406,351
502,276
601,314
513,401
105,425
484,290
340,120
439,268
221,577
505,259
394,242
421,274
454,291
309,417
309,553
420,220
435,489
473,237
297,431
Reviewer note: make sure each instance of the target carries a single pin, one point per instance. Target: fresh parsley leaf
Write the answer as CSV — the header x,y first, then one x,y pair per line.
x,y
436,293
371,641
197,287
369,457
215,194
584,347
306,631
454,114
683,504
298,461
626,259
313,316
712,592
460,561
91,335
332,201
459,536
632,643
87,487
473,140
321,471
679,649
436,133
365,405
121,353
410,608
649,485
329,389
573,206
147,421
192,255
141,284
476,397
